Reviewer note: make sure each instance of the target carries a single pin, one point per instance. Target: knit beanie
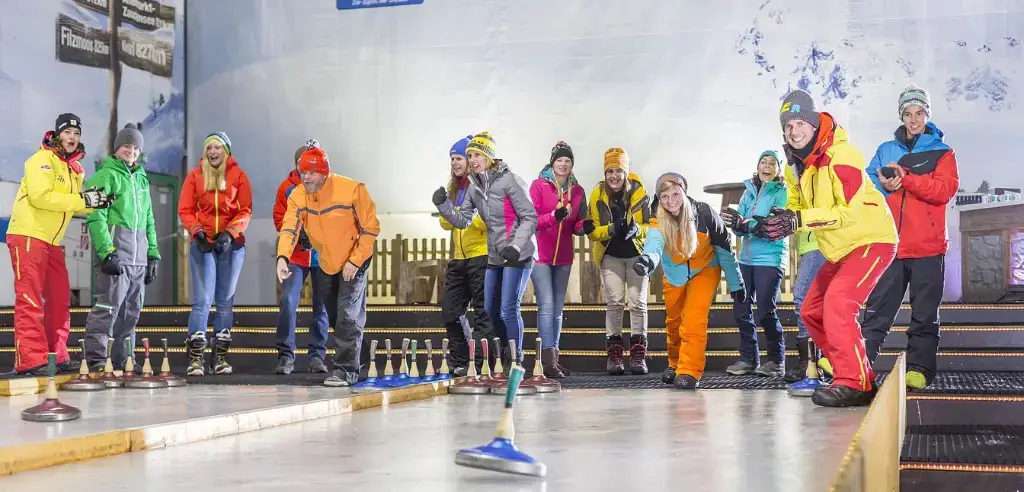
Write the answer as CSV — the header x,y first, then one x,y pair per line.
x,y
913,95
221,138
616,157
67,120
798,105
772,153
561,149
670,177
128,135
315,160
459,148
484,144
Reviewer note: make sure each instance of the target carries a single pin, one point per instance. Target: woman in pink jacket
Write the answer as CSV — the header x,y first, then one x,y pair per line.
x,y
561,205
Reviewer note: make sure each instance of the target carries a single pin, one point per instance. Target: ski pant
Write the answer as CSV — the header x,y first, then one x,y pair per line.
x,y
925,277
291,291
42,301
115,313
832,308
464,286
762,284
686,320
346,311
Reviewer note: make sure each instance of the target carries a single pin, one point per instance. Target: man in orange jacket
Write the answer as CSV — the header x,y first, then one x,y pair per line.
x,y
303,261
340,219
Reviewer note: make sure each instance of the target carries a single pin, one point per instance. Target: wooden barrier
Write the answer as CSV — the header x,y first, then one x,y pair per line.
x,y
872,462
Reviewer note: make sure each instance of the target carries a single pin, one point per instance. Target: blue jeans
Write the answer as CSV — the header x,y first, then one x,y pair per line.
x,y
550,283
762,284
810,263
214,276
503,292
291,291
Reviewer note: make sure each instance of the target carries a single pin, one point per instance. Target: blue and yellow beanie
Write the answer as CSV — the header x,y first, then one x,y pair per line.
x,y
484,144
221,138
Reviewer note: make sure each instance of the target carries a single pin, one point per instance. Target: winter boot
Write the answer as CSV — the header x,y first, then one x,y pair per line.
x,y
638,354
196,348
221,344
615,352
668,376
285,365
547,361
565,370
685,382
797,373
842,396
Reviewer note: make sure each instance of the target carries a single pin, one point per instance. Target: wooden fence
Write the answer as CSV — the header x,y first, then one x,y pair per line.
x,y
425,260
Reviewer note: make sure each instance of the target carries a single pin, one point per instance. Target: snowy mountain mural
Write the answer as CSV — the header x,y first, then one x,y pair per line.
x,y
37,85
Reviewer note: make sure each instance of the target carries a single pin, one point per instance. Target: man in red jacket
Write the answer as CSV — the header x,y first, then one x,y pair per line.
x,y
917,172
302,260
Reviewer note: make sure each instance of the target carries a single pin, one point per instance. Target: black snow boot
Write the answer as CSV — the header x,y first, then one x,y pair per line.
x,y
615,352
196,347
797,373
221,344
638,354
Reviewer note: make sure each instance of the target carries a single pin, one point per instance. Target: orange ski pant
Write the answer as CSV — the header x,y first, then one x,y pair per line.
x,y
686,320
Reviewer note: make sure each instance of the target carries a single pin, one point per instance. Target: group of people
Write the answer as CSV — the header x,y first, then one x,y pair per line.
x,y
863,233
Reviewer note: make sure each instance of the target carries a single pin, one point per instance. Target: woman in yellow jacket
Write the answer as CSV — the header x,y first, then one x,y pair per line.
x,y
620,213
464,280
835,199
50,194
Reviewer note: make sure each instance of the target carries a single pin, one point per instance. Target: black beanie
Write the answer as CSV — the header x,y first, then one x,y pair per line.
x,y
561,149
67,120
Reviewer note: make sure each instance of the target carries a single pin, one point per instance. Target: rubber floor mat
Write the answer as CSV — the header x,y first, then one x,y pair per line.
x,y
974,383
261,379
964,444
711,380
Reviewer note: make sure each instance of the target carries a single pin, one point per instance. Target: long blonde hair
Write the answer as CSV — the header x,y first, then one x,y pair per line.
x,y
214,177
680,231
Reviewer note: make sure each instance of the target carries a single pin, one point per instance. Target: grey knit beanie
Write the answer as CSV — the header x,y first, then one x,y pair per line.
x,y
799,105
128,135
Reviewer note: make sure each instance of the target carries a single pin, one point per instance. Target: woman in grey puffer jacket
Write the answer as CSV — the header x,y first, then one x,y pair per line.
x,y
503,201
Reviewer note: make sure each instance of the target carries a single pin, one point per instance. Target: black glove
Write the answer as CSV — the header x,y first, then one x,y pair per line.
x,y
561,214
96,198
440,196
111,265
617,228
304,240
780,224
588,226
222,242
739,296
632,230
730,217
510,254
151,267
204,244
643,265
750,226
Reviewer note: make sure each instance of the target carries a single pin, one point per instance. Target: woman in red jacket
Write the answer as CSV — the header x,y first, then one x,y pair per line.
x,y
561,206
215,207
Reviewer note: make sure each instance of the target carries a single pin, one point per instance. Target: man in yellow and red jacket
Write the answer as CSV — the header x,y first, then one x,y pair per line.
x,y
834,198
301,263
918,173
340,219
50,194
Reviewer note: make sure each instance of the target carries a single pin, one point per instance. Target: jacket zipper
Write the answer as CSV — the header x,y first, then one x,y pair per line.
x,y
64,216
135,231
746,240
216,210
558,235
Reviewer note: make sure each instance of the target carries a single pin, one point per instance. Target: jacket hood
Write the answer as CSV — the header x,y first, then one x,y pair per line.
x,y
931,139
293,177
78,155
829,134
481,178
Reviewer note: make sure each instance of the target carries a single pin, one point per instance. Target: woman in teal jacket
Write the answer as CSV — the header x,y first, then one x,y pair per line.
x,y
762,264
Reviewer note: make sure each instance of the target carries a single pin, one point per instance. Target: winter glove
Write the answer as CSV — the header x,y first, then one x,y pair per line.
x,y
780,224
730,217
111,265
151,267
561,213
304,240
739,296
643,266
510,254
588,226
204,244
632,230
96,198
617,228
222,242
749,226
440,196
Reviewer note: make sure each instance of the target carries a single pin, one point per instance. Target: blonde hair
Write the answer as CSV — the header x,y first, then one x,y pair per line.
x,y
214,177
680,231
